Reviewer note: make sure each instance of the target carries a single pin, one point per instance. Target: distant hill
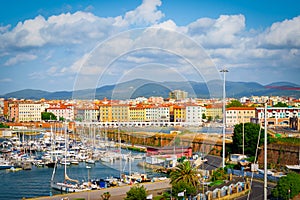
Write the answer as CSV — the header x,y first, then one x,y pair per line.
x,y
141,87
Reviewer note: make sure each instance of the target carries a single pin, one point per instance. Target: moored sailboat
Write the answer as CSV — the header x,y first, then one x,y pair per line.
x,y
68,185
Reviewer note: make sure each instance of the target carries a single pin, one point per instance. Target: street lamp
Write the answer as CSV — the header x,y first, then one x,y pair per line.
x,y
224,115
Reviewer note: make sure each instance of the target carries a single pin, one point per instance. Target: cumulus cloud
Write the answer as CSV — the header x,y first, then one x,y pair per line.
x,y
61,29
283,34
20,58
64,43
145,14
222,32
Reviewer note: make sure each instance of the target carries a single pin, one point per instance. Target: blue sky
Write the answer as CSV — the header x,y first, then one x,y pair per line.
x,y
66,45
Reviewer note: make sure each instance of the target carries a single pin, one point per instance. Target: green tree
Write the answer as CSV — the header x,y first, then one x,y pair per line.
x,y
105,196
280,104
185,175
219,174
48,116
136,193
251,132
287,187
182,186
209,118
2,125
203,116
234,103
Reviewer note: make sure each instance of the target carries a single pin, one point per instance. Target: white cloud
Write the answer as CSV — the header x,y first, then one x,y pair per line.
x,y
57,29
283,34
145,14
217,33
20,58
63,42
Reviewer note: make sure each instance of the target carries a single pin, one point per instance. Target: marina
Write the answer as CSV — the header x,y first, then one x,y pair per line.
x,y
29,172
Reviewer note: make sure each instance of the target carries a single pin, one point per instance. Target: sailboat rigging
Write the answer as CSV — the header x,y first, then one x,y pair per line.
x,y
65,186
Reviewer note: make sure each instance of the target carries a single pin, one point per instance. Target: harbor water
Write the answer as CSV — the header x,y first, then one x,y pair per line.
x,y
36,182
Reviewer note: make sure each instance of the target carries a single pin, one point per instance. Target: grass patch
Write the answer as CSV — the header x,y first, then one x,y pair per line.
x,y
216,183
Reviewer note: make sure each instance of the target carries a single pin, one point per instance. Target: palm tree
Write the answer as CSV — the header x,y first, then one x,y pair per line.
x,y
184,172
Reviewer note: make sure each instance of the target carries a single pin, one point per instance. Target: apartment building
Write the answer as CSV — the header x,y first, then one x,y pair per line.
x,y
29,111
278,116
193,114
179,113
65,111
137,113
120,112
105,113
214,111
163,113
237,115
13,111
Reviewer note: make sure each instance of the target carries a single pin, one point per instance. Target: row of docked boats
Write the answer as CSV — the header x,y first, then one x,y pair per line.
x,y
52,150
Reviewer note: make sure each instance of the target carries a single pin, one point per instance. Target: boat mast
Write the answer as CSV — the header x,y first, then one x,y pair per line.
x,y
65,152
120,151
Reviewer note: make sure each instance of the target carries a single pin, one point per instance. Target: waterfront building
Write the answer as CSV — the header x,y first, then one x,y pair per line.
x,y
137,113
278,116
120,112
193,115
163,113
13,111
29,111
87,115
237,115
105,113
179,113
151,113
62,111
214,111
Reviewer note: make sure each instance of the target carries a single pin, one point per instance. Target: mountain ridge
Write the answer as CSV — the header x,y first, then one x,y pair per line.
x,y
143,87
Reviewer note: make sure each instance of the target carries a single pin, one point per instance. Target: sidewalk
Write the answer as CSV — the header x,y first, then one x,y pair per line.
x,y
117,193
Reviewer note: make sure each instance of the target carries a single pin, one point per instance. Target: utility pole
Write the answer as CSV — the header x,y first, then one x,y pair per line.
x,y
265,156
224,115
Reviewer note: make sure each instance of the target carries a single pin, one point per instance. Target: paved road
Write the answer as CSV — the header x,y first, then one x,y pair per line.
x,y
257,192
116,192
213,162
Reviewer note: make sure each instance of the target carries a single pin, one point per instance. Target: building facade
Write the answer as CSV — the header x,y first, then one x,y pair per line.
x,y
237,115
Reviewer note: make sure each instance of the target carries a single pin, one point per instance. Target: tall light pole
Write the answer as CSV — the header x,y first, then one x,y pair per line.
x,y
224,115
265,154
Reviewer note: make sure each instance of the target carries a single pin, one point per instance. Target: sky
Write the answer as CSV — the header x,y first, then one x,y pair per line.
x,y
69,45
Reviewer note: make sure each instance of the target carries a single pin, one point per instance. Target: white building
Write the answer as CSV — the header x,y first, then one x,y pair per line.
x,y
151,114
62,111
163,114
278,115
193,114
29,111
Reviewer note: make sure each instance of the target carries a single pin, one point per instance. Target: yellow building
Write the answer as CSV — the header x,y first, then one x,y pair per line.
x,y
120,113
214,111
179,113
29,111
137,113
105,111
237,115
